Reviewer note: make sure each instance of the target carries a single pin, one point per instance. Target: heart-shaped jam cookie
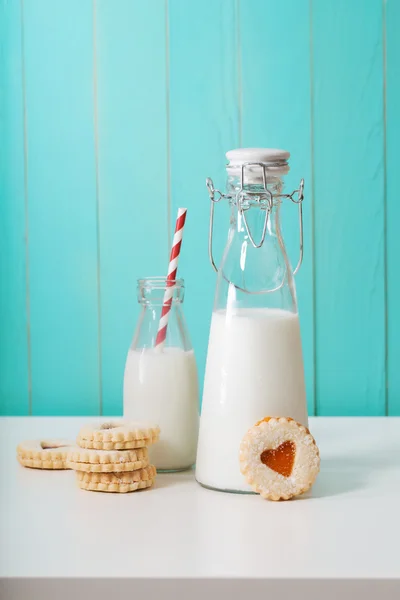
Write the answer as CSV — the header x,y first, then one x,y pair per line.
x,y
289,452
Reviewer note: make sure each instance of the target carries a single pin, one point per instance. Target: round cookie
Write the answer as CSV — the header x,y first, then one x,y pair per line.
x,y
44,454
132,445
118,435
107,461
279,458
117,482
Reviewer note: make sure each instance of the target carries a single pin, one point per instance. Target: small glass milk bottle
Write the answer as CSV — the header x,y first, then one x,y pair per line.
x,y
254,362
160,383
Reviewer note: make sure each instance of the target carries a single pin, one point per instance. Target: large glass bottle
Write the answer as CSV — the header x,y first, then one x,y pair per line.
x,y
160,383
254,362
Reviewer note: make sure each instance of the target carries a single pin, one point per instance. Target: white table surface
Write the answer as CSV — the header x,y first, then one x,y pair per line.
x,y
347,527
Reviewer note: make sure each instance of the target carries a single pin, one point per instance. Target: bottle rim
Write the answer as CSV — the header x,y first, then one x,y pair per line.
x,y
159,282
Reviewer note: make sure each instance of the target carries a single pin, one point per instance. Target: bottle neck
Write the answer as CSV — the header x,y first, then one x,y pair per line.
x,y
258,188
255,207
255,263
157,291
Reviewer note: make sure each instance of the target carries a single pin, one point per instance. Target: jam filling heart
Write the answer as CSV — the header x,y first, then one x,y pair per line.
x,y
280,459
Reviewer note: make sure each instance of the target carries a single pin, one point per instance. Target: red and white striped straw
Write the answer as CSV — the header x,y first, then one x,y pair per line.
x,y
171,277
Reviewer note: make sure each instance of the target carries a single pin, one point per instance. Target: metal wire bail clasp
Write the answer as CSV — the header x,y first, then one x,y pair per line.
x,y
299,202
212,193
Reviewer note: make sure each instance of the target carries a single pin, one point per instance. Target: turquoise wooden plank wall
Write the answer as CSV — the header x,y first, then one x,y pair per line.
x,y
111,116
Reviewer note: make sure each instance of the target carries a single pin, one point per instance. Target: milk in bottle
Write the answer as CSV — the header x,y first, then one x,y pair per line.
x,y
160,383
254,362
162,388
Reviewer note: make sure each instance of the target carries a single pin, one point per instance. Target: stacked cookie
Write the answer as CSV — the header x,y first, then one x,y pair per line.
x,y
113,457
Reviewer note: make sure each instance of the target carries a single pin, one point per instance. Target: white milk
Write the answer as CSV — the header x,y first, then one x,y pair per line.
x,y
254,369
162,388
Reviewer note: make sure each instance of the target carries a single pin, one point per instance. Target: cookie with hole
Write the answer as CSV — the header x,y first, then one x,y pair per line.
x,y
44,454
118,435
